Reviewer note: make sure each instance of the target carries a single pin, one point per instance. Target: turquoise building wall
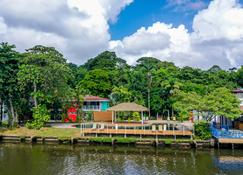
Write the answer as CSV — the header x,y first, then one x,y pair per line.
x,y
104,105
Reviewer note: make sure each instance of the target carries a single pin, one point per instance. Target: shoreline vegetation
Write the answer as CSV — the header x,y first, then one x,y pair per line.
x,y
40,84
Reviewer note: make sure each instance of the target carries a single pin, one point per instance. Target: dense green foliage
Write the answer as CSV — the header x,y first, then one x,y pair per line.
x,y
40,116
42,76
202,130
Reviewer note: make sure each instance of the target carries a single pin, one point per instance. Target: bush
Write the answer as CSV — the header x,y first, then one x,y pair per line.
x,y
125,140
5,124
101,140
202,130
40,116
136,116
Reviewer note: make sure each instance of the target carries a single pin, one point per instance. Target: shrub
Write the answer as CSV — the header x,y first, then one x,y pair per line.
x,y
5,124
136,116
101,140
202,130
125,140
40,116
129,120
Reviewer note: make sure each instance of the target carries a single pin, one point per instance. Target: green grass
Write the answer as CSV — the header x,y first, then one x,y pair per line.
x,y
125,140
110,139
43,132
101,139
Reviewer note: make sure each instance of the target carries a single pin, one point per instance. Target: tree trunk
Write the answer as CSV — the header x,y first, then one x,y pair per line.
x,y
12,112
16,117
35,99
1,111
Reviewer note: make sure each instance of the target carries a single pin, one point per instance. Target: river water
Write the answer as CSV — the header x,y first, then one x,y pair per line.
x,y
26,159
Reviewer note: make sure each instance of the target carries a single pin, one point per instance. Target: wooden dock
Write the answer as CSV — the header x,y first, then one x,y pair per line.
x,y
137,132
230,141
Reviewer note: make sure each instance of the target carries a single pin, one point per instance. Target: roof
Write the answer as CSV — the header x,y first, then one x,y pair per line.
x,y
241,107
95,98
238,91
128,107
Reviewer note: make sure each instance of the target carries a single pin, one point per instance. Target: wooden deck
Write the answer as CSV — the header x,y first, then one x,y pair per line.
x,y
227,141
138,132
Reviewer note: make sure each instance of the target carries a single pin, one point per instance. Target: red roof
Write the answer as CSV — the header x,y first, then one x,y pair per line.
x,y
95,98
241,107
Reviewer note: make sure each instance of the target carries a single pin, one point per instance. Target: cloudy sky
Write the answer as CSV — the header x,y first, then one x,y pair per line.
x,y
198,33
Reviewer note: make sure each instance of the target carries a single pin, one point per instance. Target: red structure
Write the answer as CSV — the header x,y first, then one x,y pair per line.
x,y
72,115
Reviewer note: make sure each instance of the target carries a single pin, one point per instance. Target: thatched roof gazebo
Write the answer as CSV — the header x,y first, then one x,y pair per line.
x,y
127,107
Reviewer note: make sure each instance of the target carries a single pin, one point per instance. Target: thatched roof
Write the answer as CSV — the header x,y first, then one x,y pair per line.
x,y
128,107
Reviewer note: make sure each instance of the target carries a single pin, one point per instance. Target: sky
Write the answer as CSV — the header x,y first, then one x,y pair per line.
x,y
197,33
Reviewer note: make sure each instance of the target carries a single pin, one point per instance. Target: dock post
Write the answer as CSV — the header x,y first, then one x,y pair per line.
x,y
156,141
232,146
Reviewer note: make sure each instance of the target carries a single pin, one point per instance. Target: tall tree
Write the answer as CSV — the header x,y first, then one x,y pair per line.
x,y
106,60
96,82
9,60
45,72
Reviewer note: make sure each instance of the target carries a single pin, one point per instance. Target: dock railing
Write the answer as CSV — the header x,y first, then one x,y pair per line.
x,y
134,129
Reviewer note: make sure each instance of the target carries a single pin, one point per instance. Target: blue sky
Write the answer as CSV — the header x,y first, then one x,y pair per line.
x,y
143,13
146,12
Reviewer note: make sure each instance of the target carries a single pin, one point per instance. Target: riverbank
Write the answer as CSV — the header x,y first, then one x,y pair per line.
x,y
72,136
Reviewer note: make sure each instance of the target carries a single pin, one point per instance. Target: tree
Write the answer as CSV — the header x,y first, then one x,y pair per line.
x,y
239,78
214,68
147,65
221,102
186,103
106,60
96,82
44,70
9,60
120,94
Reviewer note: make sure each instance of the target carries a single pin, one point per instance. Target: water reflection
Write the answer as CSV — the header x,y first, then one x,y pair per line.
x,y
68,160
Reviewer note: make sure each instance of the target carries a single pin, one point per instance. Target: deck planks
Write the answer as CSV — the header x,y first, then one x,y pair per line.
x,y
138,132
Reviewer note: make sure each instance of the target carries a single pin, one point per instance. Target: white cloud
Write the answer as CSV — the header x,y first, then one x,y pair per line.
x,y
78,28
3,26
185,5
157,41
222,19
217,38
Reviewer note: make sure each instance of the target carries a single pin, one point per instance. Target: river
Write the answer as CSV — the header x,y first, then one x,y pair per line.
x,y
24,159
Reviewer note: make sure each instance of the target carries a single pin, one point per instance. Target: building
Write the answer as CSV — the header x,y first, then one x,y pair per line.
x,y
239,94
95,103
90,104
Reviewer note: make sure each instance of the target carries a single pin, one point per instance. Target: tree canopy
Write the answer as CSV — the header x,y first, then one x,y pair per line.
x,y
31,83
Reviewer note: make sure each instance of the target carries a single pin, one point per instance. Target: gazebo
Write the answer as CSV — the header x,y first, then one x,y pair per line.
x,y
127,107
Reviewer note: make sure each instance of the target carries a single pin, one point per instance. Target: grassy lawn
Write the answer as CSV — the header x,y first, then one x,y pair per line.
x,y
43,132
